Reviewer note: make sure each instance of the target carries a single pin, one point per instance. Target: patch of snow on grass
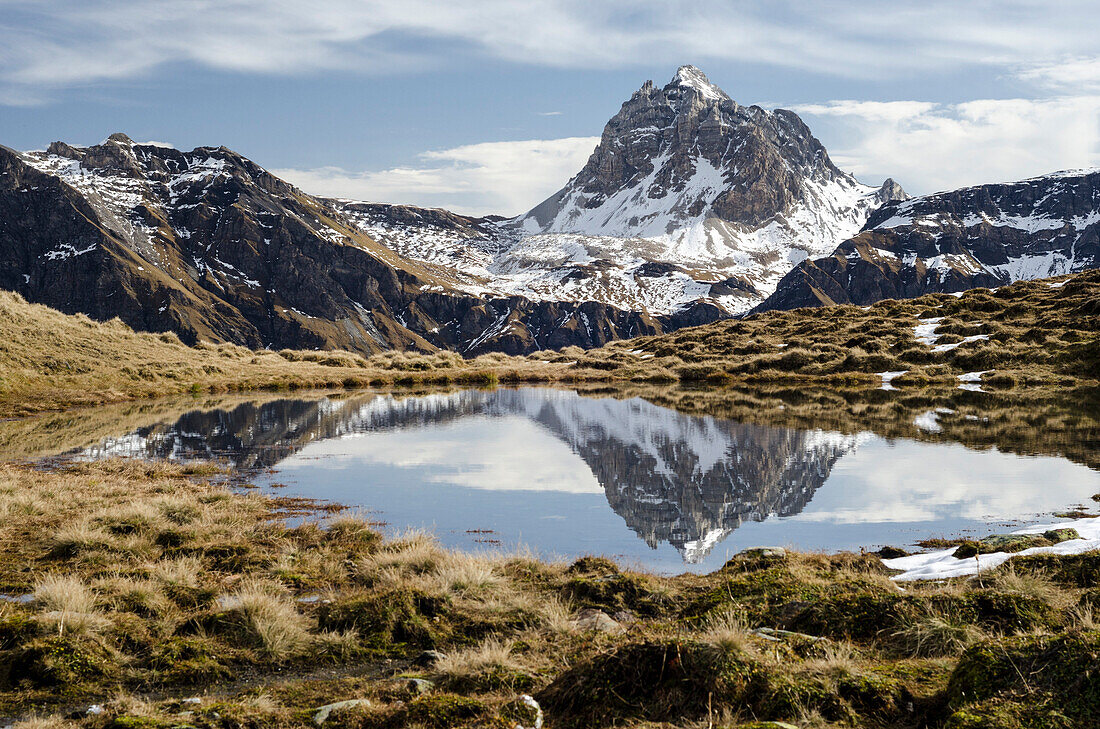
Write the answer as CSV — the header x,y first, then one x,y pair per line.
x,y
925,332
942,564
949,347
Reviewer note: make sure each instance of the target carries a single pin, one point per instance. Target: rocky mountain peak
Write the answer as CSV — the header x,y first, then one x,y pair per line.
x,y
702,182
690,77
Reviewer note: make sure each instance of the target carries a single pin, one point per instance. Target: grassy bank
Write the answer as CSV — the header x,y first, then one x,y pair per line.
x,y
169,601
1030,333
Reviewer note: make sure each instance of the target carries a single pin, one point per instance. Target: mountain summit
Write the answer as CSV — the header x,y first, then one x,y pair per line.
x,y
691,206
714,187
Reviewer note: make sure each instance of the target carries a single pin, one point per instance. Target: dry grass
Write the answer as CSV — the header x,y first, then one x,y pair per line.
x,y
938,633
268,616
177,584
728,631
1037,335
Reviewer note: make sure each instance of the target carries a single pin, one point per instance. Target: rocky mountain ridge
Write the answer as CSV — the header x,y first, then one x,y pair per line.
x,y
689,199
948,242
211,246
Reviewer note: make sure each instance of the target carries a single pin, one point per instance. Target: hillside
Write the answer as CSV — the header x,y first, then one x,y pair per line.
x,y
1029,333
209,245
987,235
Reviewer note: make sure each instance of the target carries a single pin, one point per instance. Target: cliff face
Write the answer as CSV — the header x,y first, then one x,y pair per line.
x,y
988,235
209,245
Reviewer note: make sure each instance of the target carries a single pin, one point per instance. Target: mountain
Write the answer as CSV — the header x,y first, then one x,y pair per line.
x,y
983,236
690,201
208,244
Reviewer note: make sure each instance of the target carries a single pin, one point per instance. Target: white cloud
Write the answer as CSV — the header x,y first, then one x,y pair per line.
x,y
1072,74
67,42
508,453
929,147
505,178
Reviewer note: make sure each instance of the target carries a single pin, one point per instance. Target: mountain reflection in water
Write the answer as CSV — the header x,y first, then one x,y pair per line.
x,y
684,480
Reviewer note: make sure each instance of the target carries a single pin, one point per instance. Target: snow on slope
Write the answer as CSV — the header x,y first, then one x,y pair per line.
x,y
689,197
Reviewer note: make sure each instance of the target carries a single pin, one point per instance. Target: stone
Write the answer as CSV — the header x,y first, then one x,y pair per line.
x,y
524,711
596,620
323,712
624,617
419,685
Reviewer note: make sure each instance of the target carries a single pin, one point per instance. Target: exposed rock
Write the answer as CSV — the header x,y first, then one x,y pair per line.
x,y
984,236
624,617
322,714
211,246
419,686
1013,542
595,620
525,711
686,189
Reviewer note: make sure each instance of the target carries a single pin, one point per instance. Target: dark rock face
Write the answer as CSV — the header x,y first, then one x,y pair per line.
x,y
983,236
209,245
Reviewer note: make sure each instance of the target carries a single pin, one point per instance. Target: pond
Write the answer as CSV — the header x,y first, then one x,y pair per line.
x,y
566,473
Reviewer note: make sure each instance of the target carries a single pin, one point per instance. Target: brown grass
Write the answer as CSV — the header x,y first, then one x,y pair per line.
x,y
172,584
1037,335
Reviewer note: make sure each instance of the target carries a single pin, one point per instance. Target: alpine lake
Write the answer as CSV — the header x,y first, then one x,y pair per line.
x,y
662,479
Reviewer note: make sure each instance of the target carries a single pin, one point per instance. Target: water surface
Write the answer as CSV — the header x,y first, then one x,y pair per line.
x,y
567,474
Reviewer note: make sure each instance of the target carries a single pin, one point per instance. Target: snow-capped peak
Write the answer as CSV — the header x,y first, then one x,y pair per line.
x,y
691,77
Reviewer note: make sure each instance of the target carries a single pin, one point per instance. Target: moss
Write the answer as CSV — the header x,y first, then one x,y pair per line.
x,y
438,711
860,615
1001,714
1058,671
188,660
1013,542
62,661
495,678
654,681
136,722
597,582
1077,570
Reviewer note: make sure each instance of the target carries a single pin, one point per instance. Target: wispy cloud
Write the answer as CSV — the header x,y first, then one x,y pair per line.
x,y
549,113
929,147
69,42
505,178
1066,75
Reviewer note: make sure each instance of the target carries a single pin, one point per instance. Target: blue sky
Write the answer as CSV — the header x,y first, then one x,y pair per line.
x,y
490,106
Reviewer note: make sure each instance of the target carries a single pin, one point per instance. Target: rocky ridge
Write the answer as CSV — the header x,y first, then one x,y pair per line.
x,y
690,199
211,246
948,242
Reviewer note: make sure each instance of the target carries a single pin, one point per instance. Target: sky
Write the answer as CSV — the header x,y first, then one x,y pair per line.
x,y
491,106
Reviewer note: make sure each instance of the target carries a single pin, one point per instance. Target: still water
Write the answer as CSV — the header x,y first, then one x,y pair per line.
x,y
567,474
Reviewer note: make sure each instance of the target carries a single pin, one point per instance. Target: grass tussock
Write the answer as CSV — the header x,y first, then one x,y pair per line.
x,y
146,579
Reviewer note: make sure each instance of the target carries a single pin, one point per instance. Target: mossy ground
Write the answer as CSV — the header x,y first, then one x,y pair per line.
x,y
153,584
